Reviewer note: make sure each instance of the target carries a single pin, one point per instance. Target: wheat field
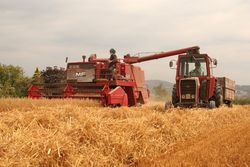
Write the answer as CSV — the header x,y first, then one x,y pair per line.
x,y
69,132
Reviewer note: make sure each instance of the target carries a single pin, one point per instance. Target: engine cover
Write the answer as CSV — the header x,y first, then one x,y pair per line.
x,y
189,91
81,73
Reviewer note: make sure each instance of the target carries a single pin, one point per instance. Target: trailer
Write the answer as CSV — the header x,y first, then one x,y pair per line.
x,y
228,90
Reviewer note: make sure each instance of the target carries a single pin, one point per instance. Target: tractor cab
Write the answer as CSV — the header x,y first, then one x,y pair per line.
x,y
193,66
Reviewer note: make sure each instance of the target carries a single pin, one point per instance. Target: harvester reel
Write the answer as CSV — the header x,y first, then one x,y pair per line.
x,y
53,75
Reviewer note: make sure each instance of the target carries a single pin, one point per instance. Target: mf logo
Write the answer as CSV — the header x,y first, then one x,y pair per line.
x,y
80,74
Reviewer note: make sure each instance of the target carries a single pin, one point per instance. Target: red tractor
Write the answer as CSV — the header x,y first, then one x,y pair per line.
x,y
122,86
196,85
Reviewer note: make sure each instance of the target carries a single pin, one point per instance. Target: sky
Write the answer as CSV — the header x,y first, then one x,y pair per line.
x,y
35,33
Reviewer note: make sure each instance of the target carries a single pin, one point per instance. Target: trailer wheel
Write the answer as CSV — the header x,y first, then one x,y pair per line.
x,y
218,95
175,98
229,103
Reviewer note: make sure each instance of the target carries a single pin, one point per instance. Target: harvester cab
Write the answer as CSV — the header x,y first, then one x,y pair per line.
x,y
195,84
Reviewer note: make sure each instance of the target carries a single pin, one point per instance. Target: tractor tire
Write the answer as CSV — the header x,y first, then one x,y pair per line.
x,y
175,98
218,95
211,104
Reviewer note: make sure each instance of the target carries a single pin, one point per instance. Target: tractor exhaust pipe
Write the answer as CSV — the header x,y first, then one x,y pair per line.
x,y
83,58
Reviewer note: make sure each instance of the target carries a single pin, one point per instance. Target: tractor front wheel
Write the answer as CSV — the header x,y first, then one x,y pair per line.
x,y
175,98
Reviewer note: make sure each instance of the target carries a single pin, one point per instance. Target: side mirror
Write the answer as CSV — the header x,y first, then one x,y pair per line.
x,y
172,63
215,62
66,60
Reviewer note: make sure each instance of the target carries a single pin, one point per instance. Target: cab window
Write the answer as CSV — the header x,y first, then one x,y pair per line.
x,y
192,66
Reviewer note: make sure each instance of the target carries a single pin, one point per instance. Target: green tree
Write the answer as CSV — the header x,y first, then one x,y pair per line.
x,y
13,83
160,92
242,100
37,79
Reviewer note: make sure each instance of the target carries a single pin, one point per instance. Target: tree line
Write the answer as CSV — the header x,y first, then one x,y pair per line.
x,y
13,82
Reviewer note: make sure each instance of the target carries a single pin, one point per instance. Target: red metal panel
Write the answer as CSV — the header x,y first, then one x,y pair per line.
x,y
117,96
98,71
114,97
104,93
68,91
34,92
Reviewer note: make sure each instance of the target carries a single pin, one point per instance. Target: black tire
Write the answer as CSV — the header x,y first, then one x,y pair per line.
x,y
175,98
140,100
211,104
218,95
229,103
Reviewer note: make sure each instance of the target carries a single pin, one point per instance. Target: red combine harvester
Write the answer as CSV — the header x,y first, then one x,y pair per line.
x,y
123,86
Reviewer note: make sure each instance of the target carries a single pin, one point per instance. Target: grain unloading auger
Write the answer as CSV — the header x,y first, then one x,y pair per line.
x,y
123,86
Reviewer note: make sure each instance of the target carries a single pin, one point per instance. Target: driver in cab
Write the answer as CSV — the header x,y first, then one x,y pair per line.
x,y
197,71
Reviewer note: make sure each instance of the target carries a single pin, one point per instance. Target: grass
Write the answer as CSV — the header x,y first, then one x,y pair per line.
x,y
82,133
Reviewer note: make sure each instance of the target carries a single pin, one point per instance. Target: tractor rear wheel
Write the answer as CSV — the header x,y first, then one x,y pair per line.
x,y
175,98
218,95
